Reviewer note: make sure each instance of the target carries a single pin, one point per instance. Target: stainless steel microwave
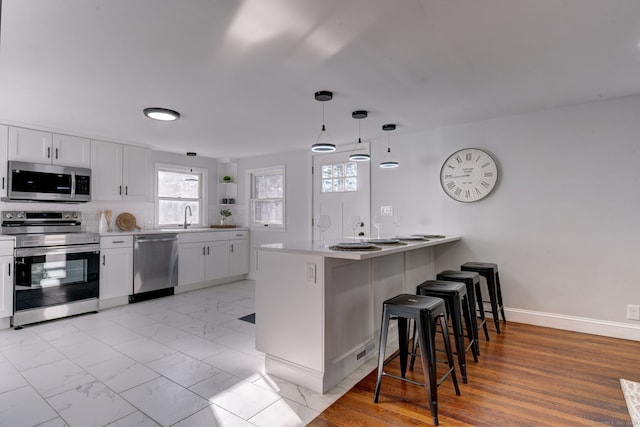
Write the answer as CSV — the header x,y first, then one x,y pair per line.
x,y
48,183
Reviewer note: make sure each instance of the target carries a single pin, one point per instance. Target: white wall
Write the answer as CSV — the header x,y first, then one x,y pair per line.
x,y
297,195
562,223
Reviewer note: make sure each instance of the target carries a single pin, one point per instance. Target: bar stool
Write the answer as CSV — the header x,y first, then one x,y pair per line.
x,y
424,311
456,300
472,281
489,271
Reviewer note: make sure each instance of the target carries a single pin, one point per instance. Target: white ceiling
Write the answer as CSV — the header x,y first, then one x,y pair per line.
x,y
243,73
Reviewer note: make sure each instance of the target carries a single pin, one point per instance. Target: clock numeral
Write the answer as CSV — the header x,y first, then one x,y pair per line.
x,y
450,176
451,167
458,159
478,158
478,192
467,194
468,157
485,184
451,185
458,191
484,165
488,174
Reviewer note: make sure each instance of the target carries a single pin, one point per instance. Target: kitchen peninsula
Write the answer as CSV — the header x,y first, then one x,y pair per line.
x,y
318,310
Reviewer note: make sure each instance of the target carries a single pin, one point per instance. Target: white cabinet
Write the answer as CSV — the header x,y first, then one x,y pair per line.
x,y
120,172
202,256
238,252
4,141
28,145
116,267
212,255
6,278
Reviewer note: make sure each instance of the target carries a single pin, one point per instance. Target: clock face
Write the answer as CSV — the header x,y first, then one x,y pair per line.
x,y
468,175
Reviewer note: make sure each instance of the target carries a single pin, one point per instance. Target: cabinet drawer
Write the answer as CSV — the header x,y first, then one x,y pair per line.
x,y
205,236
239,234
112,242
6,247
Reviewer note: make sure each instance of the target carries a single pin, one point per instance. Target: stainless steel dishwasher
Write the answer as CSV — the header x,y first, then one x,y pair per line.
x,y
155,265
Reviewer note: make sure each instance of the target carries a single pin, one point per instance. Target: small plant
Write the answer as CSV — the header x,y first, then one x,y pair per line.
x,y
226,178
225,213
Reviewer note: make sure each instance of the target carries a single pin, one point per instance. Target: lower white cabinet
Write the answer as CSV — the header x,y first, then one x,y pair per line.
x,y
6,278
238,254
211,255
116,266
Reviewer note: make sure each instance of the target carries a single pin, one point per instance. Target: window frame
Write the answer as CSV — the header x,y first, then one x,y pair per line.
x,y
202,199
251,174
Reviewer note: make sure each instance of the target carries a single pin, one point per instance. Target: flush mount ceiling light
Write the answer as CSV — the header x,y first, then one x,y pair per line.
x,y
163,114
324,143
388,162
359,156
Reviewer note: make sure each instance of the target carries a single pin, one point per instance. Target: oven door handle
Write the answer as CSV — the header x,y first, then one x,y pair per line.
x,y
61,250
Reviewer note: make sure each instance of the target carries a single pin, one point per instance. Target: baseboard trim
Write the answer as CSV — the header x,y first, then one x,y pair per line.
x,y
576,324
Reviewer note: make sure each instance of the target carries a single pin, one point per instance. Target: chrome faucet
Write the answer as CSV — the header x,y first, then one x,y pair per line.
x,y
185,225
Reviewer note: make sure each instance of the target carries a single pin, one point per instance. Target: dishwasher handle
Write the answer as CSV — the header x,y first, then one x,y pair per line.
x,y
162,239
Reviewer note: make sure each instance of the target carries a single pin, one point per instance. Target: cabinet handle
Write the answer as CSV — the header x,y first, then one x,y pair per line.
x,y
204,250
56,153
207,250
9,269
118,241
120,190
232,247
126,190
3,182
104,259
48,152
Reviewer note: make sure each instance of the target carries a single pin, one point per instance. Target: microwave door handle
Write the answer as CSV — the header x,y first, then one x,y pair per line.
x,y
73,184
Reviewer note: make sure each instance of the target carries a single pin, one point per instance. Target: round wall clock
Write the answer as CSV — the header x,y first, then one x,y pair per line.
x,y
468,175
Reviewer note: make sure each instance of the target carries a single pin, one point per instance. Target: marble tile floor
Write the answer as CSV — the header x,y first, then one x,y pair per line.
x,y
184,360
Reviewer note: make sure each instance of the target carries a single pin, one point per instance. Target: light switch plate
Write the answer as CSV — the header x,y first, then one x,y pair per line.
x,y
311,273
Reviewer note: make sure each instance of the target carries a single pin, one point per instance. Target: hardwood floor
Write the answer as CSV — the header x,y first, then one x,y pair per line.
x,y
526,376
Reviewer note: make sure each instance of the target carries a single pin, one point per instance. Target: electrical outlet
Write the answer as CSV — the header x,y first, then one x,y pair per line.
x,y
633,312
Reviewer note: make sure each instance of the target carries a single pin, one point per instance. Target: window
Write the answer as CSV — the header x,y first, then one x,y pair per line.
x,y
340,177
177,188
267,197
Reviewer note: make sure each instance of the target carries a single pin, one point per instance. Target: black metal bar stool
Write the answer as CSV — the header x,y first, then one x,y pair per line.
x,y
472,281
456,301
489,271
424,311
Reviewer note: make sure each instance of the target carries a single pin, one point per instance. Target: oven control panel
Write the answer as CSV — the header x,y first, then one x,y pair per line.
x,y
40,217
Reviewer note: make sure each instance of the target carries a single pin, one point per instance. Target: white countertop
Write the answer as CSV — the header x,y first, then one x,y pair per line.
x,y
309,248
170,230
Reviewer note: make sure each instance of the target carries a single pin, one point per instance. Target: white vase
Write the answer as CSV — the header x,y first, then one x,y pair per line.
x,y
102,225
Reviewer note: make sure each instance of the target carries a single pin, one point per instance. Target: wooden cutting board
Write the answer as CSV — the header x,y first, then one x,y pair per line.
x,y
126,222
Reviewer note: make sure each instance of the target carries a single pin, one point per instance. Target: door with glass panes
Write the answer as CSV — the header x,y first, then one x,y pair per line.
x,y
341,190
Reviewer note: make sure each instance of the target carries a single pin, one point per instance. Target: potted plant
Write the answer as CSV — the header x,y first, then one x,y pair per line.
x,y
226,178
224,214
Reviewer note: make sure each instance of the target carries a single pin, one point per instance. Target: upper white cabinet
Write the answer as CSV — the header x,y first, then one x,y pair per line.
x,y
28,145
4,141
120,172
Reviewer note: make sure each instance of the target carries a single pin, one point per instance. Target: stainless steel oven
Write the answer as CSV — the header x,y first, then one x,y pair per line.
x,y
57,265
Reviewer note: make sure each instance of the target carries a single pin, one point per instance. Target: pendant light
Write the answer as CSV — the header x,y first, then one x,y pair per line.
x,y
191,154
324,143
356,154
388,162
